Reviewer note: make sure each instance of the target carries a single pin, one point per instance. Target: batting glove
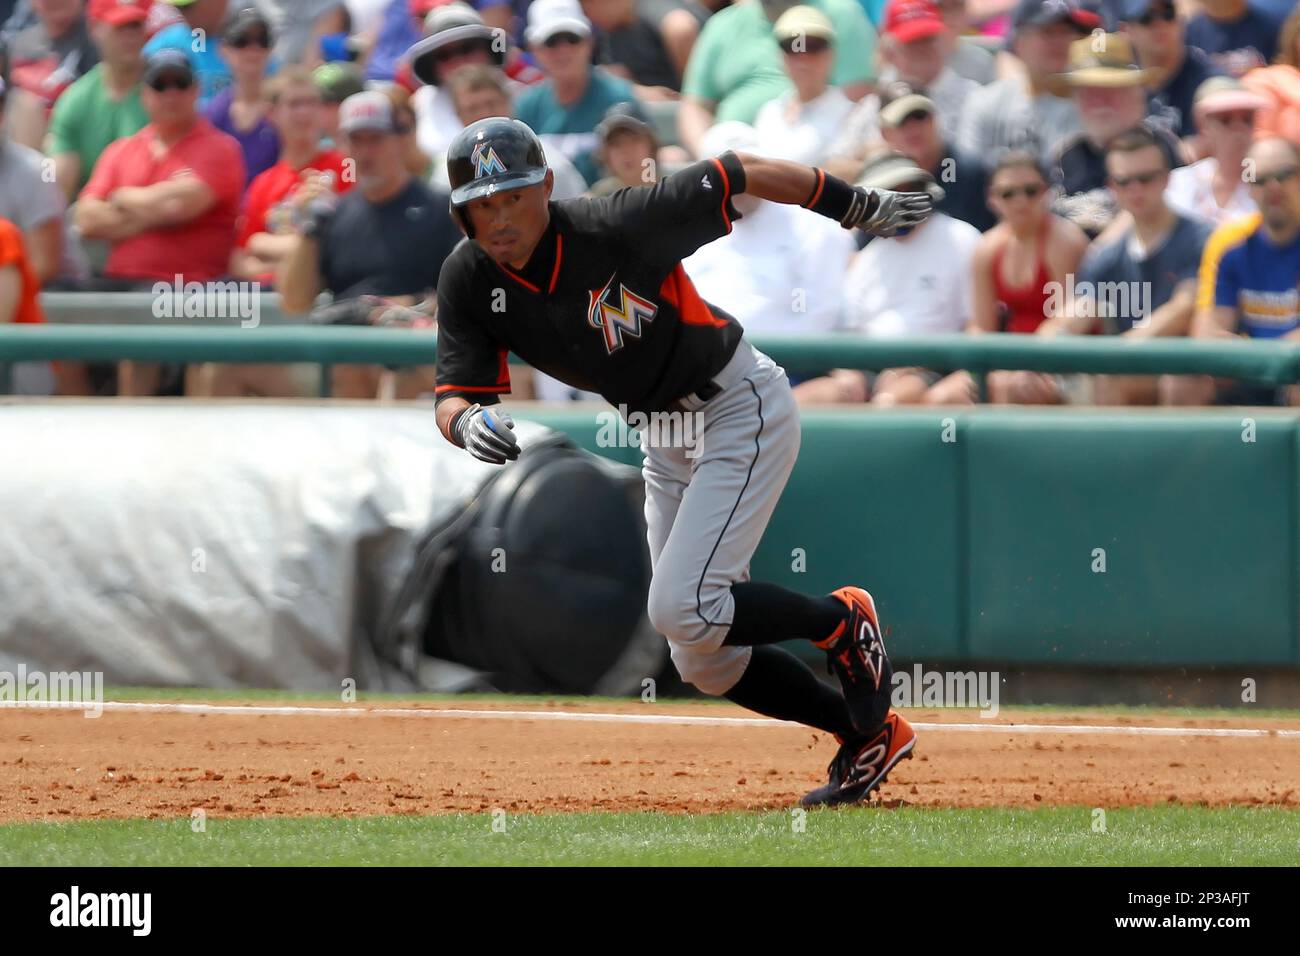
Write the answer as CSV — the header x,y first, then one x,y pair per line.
x,y
487,435
883,212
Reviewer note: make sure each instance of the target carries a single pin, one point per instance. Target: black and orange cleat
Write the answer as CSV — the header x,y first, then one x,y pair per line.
x,y
856,653
862,764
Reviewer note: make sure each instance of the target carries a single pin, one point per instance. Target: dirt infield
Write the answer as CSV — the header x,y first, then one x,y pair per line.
x,y
159,763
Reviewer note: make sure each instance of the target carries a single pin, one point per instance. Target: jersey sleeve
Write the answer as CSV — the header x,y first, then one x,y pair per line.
x,y
471,363
671,219
1224,238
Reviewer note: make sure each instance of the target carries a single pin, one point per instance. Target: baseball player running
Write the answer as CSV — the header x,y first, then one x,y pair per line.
x,y
592,292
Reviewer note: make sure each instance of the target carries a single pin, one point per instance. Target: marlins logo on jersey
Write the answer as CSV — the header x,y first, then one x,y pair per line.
x,y
486,161
616,320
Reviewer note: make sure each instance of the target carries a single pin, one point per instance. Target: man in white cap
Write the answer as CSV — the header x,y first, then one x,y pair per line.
x,y
566,107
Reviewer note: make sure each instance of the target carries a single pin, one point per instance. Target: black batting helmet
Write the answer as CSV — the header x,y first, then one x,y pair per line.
x,y
493,155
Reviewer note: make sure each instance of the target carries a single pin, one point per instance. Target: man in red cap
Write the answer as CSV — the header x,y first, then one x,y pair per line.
x,y
104,105
914,46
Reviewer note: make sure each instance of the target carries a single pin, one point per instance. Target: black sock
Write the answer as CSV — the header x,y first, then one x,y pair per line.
x,y
768,614
778,684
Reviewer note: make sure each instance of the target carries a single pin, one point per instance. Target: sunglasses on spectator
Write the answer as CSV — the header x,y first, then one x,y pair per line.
x,y
797,45
1029,191
250,39
914,116
454,51
1235,118
1167,14
1283,175
561,39
1144,179
176,81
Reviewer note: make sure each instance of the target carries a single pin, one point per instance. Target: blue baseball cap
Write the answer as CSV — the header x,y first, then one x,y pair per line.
x,y
1131,10
168,59
1037,13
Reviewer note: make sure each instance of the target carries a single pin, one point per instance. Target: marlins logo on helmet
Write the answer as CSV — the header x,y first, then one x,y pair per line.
x,y
486,161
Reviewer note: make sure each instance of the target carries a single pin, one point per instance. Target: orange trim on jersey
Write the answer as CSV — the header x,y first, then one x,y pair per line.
x,y
518,278
679,291
503,378
559,252
726,191
471,388
817,194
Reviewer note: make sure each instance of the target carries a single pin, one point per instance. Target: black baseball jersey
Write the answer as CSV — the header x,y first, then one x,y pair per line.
x,y
603,304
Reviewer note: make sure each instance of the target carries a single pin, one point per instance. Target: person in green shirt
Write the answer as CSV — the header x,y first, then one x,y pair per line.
x,y
104,105
735,66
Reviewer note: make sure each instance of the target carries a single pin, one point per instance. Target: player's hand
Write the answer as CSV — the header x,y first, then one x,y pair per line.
x,y
487,434
883,212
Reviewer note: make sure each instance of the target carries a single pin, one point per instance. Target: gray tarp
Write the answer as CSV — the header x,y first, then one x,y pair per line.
x,y
216,545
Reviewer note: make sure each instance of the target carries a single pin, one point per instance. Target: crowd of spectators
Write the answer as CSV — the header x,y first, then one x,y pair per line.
x,y
1100,167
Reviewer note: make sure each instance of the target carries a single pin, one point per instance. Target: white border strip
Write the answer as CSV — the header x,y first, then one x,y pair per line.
x,y
298,710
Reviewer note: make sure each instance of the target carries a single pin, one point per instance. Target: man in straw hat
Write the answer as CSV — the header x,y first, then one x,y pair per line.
x,y
1109,90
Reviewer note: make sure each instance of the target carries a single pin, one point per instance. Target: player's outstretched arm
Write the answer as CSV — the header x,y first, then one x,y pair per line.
x,y
879,211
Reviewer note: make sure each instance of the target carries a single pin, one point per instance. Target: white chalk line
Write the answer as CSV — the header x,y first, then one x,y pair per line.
x,y
299,710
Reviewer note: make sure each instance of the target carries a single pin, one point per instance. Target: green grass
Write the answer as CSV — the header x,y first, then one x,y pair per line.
x,y
281,696
1173,835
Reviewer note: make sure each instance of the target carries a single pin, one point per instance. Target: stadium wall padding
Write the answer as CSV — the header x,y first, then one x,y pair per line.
x,y
983,532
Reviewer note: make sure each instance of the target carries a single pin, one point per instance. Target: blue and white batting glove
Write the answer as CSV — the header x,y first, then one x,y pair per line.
x,y
487,434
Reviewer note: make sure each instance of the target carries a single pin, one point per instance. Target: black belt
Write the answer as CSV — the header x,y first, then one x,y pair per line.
x,y
710,391
706,393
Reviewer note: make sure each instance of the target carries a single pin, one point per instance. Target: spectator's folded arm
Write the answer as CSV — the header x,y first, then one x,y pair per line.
x,y
99,219
169,203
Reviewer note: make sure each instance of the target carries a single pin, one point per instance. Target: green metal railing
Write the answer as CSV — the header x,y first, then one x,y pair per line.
x,y
1272,363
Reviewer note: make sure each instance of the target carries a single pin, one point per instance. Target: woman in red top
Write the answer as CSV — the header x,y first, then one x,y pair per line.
x,y
1017,265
